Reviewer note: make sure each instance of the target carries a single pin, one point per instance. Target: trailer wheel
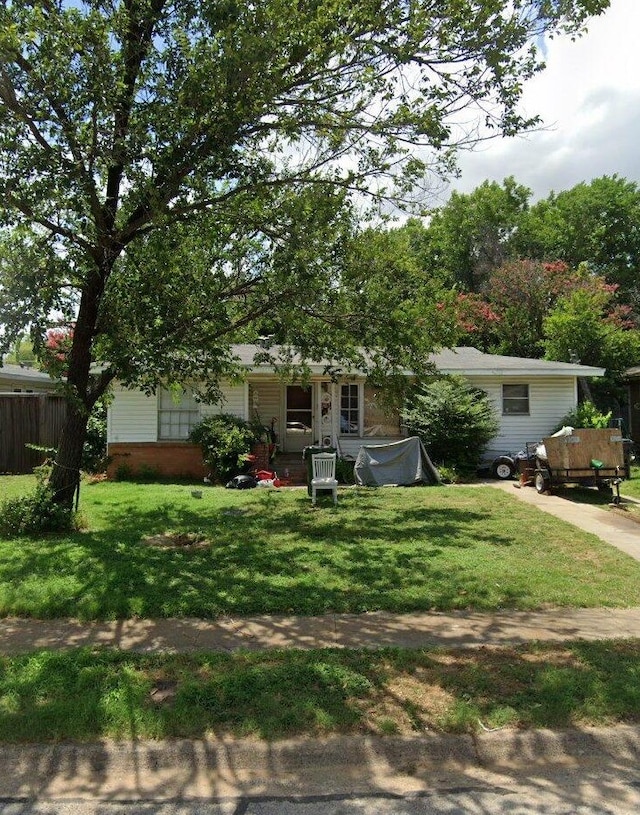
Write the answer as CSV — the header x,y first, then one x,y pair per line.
x,y
503,468
541,483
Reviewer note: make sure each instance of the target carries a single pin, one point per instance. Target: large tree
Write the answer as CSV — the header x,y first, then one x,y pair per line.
x,y
134,130
588,326
471,235
595,223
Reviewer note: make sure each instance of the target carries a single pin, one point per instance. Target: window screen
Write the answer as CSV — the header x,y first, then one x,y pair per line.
x,y
515,400
177,415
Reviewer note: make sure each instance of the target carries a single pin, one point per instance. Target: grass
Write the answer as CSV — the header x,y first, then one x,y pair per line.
x,y
632,486
259,551
89,694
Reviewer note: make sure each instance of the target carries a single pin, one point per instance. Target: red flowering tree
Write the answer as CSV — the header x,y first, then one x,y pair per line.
x,y
508,318
476,320
57,345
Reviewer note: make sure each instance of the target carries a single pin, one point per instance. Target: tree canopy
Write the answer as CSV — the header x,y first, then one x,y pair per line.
x,y
472,233
558,278
595,223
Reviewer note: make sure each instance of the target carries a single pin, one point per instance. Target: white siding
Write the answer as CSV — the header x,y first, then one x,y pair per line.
x,y
234,402
550,398
133,417
265,403
9,385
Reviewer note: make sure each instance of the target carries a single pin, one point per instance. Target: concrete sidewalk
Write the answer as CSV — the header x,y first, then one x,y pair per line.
x,y
230,770
369,630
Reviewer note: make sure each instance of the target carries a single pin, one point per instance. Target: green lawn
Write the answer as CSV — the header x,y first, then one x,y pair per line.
x,y
632,486
270,552
91,694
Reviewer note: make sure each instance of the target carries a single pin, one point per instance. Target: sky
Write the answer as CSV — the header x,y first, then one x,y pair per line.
x,y
589,99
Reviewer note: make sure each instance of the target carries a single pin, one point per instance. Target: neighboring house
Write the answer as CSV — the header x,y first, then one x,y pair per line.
x,y
20,379
530,397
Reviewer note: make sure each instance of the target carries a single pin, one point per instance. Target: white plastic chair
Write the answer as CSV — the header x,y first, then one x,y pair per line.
x,y
324,475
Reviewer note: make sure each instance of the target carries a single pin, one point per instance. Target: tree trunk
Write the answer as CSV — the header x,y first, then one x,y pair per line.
x,y
80,390
65,475
585,388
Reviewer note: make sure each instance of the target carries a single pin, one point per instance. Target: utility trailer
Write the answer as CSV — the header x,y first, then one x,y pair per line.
x,y
587,456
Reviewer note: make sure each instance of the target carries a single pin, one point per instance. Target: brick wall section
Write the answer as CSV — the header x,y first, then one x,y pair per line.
x,y
262,462
183,460
172,459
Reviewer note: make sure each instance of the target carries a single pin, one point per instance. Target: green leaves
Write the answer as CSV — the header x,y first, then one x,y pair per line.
x,y
455,421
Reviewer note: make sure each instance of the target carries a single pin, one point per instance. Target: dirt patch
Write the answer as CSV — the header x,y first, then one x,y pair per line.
x,y
163,692
627,509
177,540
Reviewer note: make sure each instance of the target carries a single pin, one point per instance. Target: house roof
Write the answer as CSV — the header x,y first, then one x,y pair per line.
x,y
461,360
471,361
19,376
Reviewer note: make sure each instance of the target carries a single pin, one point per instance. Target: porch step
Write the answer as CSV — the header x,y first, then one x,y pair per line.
x,y
291,468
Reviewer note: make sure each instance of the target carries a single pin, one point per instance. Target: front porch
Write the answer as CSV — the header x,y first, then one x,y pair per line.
x,y
343,414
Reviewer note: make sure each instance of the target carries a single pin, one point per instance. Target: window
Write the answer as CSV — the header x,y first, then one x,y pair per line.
x,y
177,415
379,419
515,400
349,410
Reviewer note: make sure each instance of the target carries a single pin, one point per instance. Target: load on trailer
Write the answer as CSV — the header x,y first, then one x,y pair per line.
x,y
591,457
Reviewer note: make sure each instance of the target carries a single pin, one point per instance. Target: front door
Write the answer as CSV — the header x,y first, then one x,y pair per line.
x,y
299,418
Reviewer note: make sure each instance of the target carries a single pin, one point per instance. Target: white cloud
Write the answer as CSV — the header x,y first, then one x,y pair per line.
x,y
589,99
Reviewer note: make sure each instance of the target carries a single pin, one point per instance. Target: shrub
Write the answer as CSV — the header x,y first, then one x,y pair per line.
x,y
585,415
147,472
450,475
124,472
454,420
35,513
226,442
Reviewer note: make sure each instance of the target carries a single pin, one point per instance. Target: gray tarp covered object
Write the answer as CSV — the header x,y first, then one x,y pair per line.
x,y
400,463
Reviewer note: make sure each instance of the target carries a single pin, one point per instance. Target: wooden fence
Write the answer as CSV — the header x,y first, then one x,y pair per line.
x,y
28,418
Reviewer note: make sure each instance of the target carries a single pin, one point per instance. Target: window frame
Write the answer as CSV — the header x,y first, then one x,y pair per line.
x,y
183,413
354,413
510,400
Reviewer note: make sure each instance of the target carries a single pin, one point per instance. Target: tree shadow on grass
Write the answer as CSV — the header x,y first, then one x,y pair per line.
x,y
262,555
85,694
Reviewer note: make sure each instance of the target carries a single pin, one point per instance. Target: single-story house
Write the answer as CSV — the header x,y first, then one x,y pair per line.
x,y
530,396
21,379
